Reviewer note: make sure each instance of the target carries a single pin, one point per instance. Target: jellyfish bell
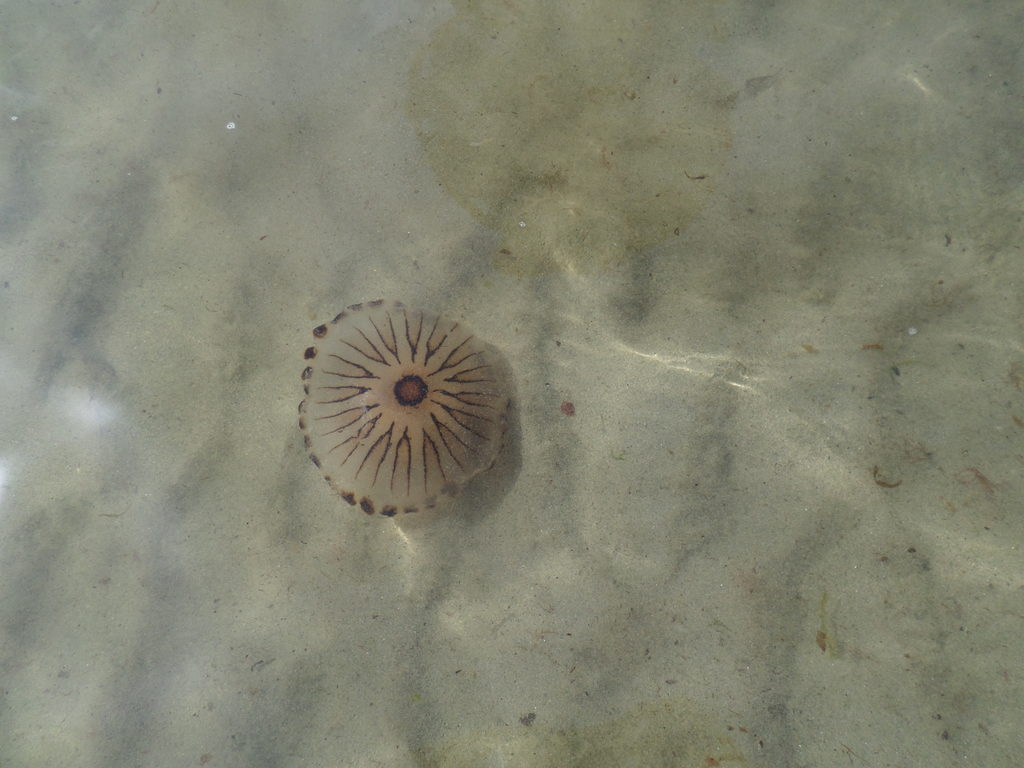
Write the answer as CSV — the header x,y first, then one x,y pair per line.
x,y
403,407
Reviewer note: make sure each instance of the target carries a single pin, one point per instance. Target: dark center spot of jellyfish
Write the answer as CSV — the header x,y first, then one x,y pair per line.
x,y
410,390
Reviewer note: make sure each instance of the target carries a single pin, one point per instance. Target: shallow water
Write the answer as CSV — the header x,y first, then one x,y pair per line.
x,y
769,255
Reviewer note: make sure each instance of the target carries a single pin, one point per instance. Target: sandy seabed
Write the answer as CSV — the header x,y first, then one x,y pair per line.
x,y
770,257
